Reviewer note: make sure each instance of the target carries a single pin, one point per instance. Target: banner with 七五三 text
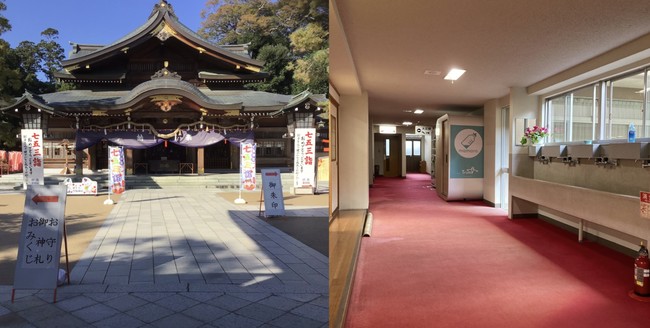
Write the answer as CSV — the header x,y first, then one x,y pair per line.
x,y
247,166
32,146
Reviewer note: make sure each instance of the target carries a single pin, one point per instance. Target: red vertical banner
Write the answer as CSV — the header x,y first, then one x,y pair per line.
x,y
247,166
116,170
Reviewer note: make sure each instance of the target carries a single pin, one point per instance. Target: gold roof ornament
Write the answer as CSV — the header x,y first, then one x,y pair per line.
x,y
166,102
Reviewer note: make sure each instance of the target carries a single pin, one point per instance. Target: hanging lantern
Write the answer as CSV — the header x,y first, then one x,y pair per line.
x,y
165,143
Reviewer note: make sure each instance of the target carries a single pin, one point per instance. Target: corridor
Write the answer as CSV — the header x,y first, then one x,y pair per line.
x,y
430,263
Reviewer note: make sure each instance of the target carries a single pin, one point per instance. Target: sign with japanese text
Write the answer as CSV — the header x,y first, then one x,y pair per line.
x,y
644,198
116,170
273,197
423,130
247,166
304,165
41,235
85,187
32,141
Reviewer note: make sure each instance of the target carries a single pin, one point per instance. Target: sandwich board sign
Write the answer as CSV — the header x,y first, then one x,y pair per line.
x,y
272,189
41,237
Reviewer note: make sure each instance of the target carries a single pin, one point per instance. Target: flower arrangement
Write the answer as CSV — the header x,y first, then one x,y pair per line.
x,y
534,135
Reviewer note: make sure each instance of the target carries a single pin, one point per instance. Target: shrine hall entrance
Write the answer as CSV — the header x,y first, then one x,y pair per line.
x,y
168,158
218,157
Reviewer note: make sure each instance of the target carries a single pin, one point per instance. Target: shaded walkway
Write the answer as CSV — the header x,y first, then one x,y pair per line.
x,y
170,259
430,263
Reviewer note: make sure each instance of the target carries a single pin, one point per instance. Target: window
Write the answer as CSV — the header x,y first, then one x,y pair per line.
x,y
413,147
304,120
387,147
270,148
573,116
625,105
601,111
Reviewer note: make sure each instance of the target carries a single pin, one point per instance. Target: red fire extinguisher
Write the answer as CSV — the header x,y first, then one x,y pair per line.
x,y
642,273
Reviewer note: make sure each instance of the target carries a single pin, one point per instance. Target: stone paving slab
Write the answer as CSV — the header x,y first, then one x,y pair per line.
x,y
170,259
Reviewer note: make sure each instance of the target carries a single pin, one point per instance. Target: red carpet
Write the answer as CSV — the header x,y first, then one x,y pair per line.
x,y
430,263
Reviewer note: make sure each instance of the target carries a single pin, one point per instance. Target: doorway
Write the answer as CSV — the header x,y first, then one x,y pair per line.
x,y
388,155
413,151
503,155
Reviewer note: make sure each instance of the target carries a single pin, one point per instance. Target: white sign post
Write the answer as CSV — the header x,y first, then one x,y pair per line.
x,y
41,237
304,165
32,141
273,197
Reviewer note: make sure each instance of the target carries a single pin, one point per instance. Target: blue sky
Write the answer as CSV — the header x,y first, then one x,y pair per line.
x,y
88,21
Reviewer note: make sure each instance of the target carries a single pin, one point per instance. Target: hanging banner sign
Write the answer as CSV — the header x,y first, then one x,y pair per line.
x,y
304,164
85,187
116,170
41,236
32,140
273,197
247,166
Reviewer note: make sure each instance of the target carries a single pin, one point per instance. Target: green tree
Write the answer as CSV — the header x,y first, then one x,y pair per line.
x,y
276,59
40,59
10,85
270,27
311,73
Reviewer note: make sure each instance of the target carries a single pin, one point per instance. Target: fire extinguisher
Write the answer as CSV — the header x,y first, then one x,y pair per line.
x,y
642,273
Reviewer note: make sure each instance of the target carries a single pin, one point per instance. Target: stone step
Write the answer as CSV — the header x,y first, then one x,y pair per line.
x,y
213,180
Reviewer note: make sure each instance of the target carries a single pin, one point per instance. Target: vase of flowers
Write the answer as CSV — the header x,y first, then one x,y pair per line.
x,y
534,135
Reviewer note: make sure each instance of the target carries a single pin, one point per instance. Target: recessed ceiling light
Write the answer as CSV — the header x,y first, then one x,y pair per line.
x,y
454,74
432,72
407,123
418,111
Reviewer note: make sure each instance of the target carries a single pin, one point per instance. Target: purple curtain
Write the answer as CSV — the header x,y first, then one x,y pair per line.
x,y
142,140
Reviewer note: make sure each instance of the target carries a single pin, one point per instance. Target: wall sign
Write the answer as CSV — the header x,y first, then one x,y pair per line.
x,y
644,198
467,152
39,246
273,197
423,130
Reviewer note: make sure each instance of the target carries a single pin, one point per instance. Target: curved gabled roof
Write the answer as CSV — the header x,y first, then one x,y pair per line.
x,y
164,83
30,98
162,19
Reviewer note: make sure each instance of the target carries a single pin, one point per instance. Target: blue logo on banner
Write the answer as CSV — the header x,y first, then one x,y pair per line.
x,y
467,152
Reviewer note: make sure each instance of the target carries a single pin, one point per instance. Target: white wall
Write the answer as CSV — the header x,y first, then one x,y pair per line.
x,y
353,142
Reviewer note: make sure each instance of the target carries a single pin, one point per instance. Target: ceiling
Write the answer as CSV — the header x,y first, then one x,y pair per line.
x,y
384,48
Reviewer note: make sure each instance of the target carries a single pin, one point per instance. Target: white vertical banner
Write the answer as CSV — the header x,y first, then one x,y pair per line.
x,y
116,170
247,166
304,164
32,141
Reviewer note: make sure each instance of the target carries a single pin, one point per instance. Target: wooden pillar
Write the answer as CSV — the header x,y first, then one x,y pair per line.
x,y
200,160
129,161
79,162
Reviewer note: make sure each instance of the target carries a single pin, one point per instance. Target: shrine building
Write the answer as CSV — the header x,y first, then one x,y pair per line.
x,y
176,102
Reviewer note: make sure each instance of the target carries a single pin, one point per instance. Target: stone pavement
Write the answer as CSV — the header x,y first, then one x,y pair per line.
x,y
173,258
